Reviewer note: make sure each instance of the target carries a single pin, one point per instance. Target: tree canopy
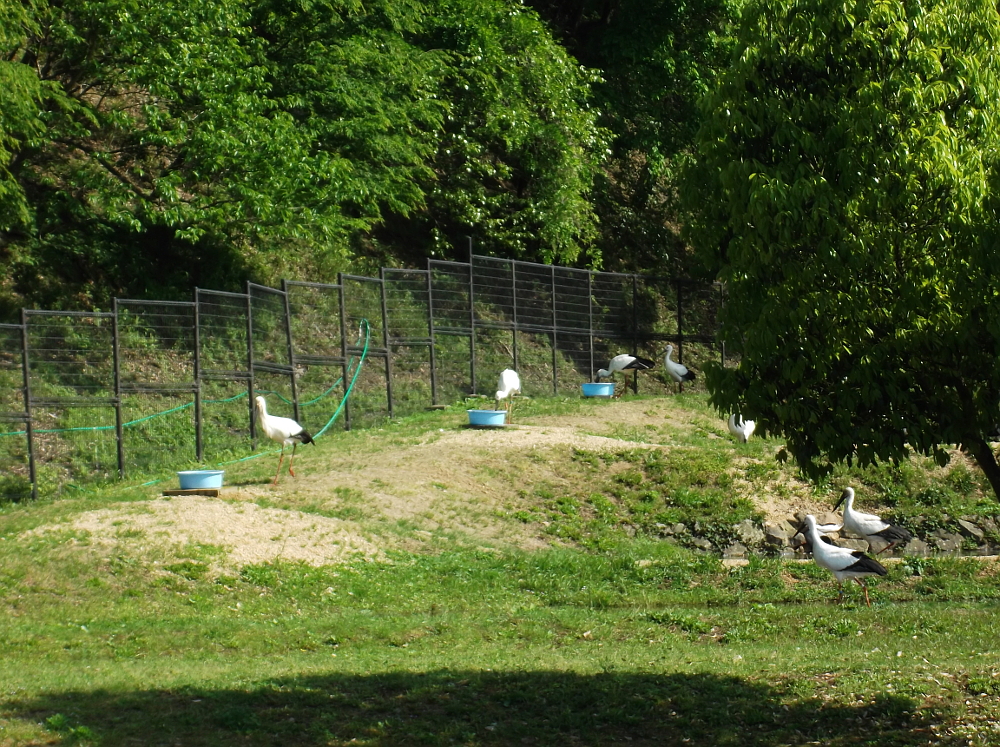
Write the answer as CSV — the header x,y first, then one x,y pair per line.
x,y
147,147
656,59
845,191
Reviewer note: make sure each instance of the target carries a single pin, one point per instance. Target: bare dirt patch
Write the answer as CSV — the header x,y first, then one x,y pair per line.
x,y
248,533
637,413
456,482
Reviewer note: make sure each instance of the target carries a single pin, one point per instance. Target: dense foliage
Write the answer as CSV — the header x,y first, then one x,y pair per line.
x,y
147,148
842,174
657,58
845,190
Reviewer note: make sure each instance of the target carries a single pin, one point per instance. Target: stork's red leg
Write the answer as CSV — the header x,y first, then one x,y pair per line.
x,y
291,461
864,586
279,465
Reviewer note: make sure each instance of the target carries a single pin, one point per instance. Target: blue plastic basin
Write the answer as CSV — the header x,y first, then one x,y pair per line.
x,y
487,417
201,478
601,389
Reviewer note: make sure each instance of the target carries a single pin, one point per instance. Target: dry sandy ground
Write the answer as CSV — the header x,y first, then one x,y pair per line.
x,y
450,488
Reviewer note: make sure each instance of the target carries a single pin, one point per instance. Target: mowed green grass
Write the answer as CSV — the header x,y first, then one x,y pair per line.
x,y
609,638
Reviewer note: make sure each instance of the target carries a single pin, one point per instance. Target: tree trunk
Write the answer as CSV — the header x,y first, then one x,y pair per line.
x,y
987,461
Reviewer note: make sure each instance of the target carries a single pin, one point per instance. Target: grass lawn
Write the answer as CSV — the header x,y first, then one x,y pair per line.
x,y
604,636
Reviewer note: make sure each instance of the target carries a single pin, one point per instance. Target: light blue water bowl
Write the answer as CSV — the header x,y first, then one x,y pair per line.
x,y
201,478
487,417
599,389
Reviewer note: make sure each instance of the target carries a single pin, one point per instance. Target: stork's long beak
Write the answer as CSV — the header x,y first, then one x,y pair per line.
x,y
843,497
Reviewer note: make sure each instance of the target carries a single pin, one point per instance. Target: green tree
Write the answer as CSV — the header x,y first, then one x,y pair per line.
x,y
145,149
519,148
845,191
656,59
20,96
160,151
358,83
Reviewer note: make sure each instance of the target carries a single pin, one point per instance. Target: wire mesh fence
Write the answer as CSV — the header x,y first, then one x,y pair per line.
x,y
151,385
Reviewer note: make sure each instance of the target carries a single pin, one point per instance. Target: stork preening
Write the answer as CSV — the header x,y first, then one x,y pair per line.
x,y
842,562
624,362
678,371
507,387
869,526
284,431
741,428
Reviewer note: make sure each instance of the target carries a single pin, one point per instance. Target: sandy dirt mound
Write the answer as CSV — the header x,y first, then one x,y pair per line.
x,y
453,487
454,482
250,534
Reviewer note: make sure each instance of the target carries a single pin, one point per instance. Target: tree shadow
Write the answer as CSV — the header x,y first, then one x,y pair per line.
x,y
472,708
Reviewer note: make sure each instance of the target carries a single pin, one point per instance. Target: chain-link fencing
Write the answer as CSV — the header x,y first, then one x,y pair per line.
x,y
87,397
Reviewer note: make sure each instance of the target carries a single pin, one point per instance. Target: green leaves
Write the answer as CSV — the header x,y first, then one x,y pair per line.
x,y
220,139
520,147
846,161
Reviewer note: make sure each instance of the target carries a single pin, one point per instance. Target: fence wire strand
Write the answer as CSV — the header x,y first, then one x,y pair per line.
x,y
175,377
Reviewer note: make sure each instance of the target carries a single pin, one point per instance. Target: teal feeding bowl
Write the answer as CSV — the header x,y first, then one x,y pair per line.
x,y
601,389
487,417
201,478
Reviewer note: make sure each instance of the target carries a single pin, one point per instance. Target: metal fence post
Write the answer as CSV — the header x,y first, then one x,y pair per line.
x,y
343,351
680,329
251,387
388,347
555,361
116,361
291,350
590,320
430,329
472,321
722,344
635,331
199,448
29,418
513,295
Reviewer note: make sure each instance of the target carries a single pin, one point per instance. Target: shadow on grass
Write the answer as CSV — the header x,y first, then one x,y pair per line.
x,y
473,708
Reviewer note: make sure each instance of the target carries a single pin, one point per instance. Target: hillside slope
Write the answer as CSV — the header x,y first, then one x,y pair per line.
x,y
568,471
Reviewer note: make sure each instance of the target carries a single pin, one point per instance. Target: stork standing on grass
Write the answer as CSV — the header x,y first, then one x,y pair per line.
x,y
741,428
624,362
678,371
285,431
869,526
507,387
842,562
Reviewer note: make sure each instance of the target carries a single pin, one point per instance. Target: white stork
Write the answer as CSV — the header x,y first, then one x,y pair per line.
x,y
678,371
507,387
624,362
870,526
285,431
842,562
741,428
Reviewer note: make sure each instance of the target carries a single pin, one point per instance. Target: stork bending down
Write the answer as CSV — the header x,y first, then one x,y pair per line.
x,y
741,428
508,385
624,362
842,562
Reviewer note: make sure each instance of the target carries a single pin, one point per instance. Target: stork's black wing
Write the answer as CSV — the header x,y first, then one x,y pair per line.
x,y
864,564
640,364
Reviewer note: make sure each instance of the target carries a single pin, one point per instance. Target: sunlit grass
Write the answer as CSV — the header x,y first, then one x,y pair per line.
x,y
611,635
